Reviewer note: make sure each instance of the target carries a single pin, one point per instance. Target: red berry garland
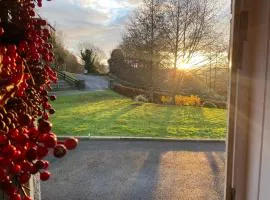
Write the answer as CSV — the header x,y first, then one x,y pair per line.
x,y
25,76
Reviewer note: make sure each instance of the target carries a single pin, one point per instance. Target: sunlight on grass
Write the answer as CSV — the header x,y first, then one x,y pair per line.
x,y
106,113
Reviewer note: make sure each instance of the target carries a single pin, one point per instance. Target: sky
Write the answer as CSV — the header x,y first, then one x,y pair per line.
x,y
100,22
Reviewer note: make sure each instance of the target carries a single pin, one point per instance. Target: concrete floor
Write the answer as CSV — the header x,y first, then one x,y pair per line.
x,y
138,170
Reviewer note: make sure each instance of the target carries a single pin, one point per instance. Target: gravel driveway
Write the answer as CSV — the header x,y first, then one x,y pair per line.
x,y
93,82
138,170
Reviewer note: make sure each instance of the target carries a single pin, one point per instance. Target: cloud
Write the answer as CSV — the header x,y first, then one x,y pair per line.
x,y
98,21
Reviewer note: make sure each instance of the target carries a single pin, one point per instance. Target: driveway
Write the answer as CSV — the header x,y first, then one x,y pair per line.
x,y
94,83
138,170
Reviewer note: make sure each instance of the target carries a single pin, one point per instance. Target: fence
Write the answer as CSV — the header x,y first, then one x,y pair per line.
x,y
78,84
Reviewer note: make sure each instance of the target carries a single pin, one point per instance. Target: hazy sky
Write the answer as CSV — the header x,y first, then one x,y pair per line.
x,y
100,22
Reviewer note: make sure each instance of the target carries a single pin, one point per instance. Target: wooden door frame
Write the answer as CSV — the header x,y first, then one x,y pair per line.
x,y
238,112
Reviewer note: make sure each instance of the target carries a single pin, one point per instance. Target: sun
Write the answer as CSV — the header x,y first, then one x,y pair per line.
x,y
182,65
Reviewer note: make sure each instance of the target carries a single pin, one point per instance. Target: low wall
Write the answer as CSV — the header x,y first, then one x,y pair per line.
x,y
133,91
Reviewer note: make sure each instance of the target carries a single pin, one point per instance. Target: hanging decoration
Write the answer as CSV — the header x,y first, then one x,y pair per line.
x,y
26,135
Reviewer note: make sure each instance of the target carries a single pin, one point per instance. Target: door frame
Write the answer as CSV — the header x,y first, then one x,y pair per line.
x,y
238,109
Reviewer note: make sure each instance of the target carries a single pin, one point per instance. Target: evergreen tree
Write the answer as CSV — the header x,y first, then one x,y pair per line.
x,y
89,57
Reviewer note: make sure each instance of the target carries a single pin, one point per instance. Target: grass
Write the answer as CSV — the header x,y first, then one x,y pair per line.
x,y
106,113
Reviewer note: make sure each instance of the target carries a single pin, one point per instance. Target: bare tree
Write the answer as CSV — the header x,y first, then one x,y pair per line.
x,y
144,39
189,31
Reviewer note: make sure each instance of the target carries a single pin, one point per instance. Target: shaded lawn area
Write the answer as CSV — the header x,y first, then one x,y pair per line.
x,y
106,113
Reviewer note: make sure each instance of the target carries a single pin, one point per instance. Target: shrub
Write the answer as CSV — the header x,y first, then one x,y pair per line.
x,y
166,99
141,98
127,91
187,100
221,104
208,104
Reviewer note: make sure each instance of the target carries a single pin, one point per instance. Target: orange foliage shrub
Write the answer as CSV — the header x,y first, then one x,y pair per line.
x,y
187,100
182,100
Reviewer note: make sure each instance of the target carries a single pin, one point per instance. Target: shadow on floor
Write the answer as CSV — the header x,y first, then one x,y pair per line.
x,y
134,170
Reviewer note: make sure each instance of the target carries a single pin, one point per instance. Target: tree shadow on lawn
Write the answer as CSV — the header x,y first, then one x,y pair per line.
x,y
107,120
191,122
97,125
88,98
145,120
81,120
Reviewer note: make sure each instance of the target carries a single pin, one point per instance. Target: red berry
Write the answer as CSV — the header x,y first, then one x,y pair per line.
x,y
5,162
39,164
3,174
11,49
26,198
46,164
45,116
33,132
45,126
71,143
59,151
3,50
45,175
53,98
14,133
50,141
24,178
6,60
1,31
25,119
31,154
52,111
42,152
12,190
15,196
18,155
21,138
16,169
3,140
34,170
9,151
32,13
26,166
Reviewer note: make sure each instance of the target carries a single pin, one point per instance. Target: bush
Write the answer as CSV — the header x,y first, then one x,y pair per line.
x,y
127,91
166,99
141,98
221,104
182,100
208,104
187,100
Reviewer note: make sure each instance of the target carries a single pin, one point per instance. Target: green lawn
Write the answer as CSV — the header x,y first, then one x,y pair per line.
x,y
106,113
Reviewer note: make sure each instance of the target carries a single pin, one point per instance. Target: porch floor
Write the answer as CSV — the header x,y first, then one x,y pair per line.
x,y
138,170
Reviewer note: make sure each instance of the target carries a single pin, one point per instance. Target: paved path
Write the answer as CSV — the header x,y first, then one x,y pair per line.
x,y
138,170
94,83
